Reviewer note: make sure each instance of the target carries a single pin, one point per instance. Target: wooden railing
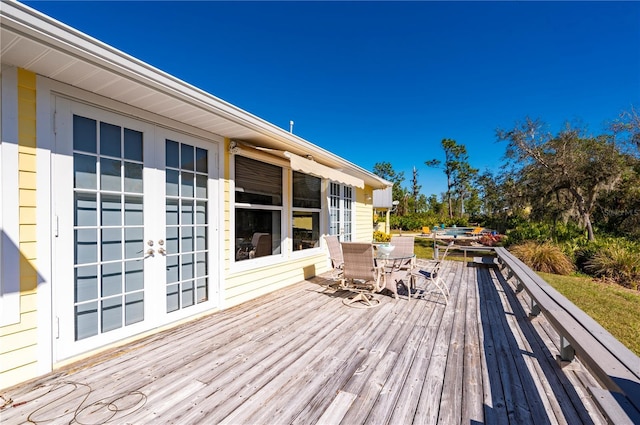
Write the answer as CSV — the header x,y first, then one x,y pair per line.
x,y
613,364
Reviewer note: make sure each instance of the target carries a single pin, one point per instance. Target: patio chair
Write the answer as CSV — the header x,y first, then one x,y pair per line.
x,y
404,247
433,274
335,255
261,243
361,274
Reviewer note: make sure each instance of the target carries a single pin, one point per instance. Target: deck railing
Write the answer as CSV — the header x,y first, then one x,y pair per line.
x,y
614,365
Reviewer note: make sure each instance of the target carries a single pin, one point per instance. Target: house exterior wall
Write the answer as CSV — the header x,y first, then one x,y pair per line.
x,y
27,341
19,341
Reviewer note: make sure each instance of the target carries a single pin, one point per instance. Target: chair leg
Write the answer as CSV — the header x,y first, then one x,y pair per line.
x,y
366,300
442,287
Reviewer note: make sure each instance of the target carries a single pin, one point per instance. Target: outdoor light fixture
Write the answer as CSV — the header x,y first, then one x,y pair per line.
x,y
233,147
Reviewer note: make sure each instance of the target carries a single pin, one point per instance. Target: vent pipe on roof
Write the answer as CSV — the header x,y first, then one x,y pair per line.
x,y
291,126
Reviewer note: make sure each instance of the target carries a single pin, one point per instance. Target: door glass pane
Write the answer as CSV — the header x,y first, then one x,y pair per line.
x,y
201,238
133,242
188,295
110,140
132,177
86,320
201,212
187,239
133,275
201,186
201,290
201,264
111,314
110,174
172,268
111,244
84,134
133,211
186,157
111,213
187,184
85,210
186,268
86,285
111,279
187,213
173,298
132,145
201,161
86,246
172,240
172,150
134,308
84,171
173,188
172,212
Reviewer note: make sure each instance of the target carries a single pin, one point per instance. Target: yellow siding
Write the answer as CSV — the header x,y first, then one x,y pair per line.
x,y
28,320
27,197
364,215
247,285
19,374
19,355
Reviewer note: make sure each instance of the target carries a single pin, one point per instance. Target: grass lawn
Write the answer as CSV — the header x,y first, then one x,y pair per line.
x,y
616,308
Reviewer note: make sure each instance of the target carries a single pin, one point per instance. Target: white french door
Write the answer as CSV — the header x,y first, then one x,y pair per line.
x,y
341,211
133,246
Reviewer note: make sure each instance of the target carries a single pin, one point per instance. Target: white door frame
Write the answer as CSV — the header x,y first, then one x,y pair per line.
x,y
62,203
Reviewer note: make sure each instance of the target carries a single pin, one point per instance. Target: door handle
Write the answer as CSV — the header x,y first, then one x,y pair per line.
x,y
150,253
162,251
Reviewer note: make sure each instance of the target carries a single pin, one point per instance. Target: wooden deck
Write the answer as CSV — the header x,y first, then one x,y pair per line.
x,y
299,356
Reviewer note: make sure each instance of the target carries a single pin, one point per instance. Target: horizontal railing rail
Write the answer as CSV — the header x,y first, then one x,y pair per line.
x,y
613,364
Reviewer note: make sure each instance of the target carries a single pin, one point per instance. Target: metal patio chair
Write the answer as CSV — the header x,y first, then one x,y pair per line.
x,y
361,274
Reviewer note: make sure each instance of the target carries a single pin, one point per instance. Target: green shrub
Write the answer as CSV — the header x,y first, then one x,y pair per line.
x,y
617,262
543,231
543,257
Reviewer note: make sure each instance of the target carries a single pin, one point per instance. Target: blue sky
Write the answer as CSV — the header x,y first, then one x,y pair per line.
x,y
387,81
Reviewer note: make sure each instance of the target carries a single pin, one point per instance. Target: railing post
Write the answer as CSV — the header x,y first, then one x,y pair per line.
x,y
567,353
436,255
519,287
535,308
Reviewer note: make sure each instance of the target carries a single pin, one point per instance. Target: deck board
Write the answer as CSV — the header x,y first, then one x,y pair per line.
x,y
300,356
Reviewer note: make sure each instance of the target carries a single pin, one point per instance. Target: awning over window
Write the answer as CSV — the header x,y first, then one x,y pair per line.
x,y
309,166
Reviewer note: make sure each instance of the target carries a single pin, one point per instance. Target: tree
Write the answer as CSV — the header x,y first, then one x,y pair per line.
x,y
627,127
386,171
457,169
415,189
565,173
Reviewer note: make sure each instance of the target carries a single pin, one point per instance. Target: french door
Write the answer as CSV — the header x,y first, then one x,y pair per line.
x,y
134,207
341,211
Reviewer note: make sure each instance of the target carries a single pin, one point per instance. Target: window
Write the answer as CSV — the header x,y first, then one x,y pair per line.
x,y
258,208
306,211
341,211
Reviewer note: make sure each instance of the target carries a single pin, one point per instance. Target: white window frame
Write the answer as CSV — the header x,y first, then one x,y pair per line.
x,y
312,210
341,198
251,263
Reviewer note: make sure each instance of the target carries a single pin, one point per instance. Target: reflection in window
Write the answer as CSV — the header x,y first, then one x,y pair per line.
x,y
257,233
306,211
